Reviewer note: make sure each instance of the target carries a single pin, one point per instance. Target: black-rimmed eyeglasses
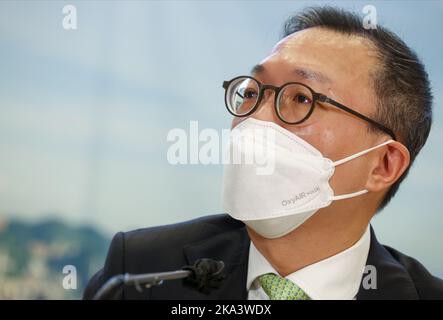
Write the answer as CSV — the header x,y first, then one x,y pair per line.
x,y
294,101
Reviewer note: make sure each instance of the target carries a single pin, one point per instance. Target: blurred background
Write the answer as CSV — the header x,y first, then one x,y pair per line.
x,y
84,116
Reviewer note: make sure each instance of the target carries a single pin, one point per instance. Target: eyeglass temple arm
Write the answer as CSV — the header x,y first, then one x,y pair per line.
x,y
324,98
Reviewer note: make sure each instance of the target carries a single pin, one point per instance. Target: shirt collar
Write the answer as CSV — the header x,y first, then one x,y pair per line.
x,y
337,277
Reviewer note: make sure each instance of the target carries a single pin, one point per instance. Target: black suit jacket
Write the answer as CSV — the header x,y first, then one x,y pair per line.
x,y
220,237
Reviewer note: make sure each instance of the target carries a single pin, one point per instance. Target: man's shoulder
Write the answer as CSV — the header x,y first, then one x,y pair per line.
x,y
193,230
165,244
159,248
427,285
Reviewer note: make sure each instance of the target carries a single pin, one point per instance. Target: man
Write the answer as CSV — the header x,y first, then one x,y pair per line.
x,y
353,107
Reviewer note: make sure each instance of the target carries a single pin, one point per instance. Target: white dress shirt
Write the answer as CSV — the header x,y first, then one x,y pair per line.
x,y
337,277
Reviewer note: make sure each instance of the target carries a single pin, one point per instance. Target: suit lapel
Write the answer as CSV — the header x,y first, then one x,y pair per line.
x,y
392,279
232,248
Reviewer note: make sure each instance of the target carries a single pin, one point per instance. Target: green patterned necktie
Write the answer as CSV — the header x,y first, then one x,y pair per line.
x,y
278,288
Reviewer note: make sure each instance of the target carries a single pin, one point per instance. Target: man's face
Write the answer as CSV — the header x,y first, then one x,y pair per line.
x,y
345,63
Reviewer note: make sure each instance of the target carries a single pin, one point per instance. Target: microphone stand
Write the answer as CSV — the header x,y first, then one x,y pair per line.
x,y
205,275
147,280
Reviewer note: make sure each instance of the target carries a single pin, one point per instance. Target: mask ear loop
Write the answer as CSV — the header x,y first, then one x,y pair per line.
x,y
349,195
339,162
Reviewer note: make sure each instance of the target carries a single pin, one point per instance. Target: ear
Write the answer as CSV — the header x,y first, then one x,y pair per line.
x,y
389,164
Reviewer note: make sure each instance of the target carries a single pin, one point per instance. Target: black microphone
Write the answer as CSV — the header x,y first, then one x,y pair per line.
x,y
205,276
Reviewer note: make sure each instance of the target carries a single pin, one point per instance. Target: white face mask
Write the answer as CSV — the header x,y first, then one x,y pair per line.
x,y
276,203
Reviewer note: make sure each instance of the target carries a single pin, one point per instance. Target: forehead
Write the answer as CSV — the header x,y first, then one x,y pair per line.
x,y
339,57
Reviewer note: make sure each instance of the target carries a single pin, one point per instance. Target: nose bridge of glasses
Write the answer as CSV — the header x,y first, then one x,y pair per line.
x,y
265,108
269,87
265,87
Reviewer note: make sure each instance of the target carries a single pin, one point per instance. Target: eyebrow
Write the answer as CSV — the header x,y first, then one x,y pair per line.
x,y
306,74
